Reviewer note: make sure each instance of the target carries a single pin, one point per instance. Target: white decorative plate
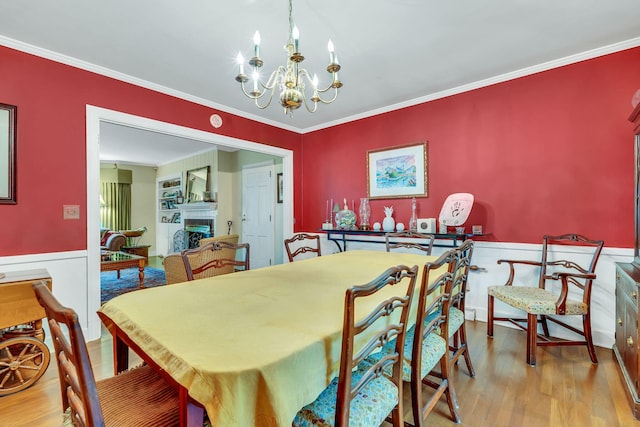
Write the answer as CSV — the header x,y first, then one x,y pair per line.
x,y
456,209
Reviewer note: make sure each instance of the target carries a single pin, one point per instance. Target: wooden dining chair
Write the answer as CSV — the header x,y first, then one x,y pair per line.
x,y
137,397
364,394
215,258
174,269
552,295
420,241
425,347
458,345
302,243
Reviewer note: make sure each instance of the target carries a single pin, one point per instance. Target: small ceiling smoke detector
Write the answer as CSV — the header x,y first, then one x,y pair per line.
x,y
216,121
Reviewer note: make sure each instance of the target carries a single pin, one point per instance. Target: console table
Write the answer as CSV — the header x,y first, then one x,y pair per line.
x,y
341,237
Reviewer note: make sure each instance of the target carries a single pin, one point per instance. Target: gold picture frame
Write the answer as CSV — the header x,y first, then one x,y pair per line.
x,y
398,172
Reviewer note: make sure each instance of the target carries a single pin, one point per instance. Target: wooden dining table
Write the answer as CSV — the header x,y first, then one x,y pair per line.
x,y
252,347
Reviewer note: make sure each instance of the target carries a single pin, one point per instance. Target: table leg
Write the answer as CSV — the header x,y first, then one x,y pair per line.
x,y
120,355
191,414
141,273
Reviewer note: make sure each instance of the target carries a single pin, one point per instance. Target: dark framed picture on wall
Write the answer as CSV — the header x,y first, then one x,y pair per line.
x,y
397,172
8,124
280,187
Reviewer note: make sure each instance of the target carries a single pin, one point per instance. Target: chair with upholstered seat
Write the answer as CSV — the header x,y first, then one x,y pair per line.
x,y
215,258
364,394
302,243
552,296
457,324
137,397
420,241
426,346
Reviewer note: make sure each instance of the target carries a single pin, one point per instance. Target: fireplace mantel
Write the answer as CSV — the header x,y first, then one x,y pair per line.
x,y
198,210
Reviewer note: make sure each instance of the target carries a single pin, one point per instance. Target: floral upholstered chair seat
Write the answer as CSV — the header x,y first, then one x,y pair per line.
x,y
433,348
534,300
369,408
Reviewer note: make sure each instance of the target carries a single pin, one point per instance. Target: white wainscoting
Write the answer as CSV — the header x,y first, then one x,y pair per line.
x,y
68,271
70,281
486,255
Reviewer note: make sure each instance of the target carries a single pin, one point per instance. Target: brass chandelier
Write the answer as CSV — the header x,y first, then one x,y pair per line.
x,y
290,80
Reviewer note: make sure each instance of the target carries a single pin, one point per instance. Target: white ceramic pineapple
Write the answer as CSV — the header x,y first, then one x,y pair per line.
x,y
388,223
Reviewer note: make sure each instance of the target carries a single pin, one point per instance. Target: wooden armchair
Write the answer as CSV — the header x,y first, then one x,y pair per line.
x,y
215,258
302,243
398,240
174,269
546,300
138,397
364,393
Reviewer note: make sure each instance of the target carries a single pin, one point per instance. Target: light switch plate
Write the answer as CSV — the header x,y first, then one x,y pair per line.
x,y
71,212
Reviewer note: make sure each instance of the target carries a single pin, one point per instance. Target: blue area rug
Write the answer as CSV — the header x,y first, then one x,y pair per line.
x,y
111,286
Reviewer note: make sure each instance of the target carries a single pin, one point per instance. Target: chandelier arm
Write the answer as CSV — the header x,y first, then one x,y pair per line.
x,y
262,107
328,101
273,79
306,104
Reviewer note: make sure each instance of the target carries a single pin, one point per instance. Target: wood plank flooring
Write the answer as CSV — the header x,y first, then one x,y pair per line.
x,y
565,389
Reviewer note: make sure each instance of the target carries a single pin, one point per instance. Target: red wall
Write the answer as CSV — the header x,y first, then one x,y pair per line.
x,y
547,153
543,154
51,168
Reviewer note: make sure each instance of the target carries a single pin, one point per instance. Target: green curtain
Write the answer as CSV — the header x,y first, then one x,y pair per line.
x,y
116,214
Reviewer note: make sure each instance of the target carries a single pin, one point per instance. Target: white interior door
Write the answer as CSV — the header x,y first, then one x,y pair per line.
x,y
258,208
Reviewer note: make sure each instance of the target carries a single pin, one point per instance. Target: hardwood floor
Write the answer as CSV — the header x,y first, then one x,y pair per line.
x,y
565,389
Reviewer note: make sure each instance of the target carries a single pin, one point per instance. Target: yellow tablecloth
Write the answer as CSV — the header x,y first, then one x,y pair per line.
x,y
252,347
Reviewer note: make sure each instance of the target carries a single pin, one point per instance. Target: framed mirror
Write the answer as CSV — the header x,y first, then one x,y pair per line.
x,y
197,184
8,125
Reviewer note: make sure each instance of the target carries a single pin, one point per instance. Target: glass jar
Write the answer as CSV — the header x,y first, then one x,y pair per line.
x,y
365,213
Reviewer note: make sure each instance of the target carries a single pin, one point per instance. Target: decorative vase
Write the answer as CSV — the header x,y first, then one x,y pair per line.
x,y
400,226
365,213
388,223
346,218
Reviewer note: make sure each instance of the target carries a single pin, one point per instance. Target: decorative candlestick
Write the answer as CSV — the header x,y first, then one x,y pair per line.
x,y
413,222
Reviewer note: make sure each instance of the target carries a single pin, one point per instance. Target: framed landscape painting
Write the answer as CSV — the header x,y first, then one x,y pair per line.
x,y
397,172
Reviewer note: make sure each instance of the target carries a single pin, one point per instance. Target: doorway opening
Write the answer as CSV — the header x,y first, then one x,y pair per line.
x,y
97,115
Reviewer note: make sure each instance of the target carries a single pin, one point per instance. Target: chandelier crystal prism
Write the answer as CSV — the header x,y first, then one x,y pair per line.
x,y
291,80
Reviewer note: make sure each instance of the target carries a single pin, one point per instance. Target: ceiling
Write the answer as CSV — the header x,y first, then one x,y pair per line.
x,y
393,53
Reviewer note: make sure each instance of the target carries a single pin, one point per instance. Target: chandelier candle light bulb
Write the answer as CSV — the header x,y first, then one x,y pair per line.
x,y
256,44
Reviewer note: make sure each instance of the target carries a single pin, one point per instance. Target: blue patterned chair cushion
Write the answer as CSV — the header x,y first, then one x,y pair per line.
x,y
433,348
369,408
456,319
534,300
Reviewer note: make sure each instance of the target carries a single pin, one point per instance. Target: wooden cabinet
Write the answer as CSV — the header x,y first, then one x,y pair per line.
x,y
625,349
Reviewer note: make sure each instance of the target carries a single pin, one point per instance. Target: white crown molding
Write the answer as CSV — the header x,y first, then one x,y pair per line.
x,y
107,72
68,60
556,63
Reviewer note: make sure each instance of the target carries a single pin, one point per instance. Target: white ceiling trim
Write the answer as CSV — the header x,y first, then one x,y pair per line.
x,y
68,60
545,66
107,72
